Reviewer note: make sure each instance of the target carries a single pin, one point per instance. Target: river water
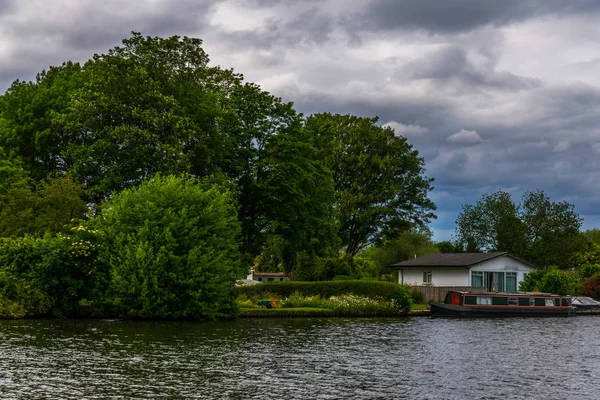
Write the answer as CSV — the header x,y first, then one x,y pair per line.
x,y
333,358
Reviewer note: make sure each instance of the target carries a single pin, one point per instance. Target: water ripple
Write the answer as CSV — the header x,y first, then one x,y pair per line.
x,y
419,358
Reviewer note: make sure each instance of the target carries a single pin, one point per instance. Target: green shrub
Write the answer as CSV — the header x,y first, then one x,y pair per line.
x,y
588,270
296,300
45,276
172,246
550,280
342,278
416,296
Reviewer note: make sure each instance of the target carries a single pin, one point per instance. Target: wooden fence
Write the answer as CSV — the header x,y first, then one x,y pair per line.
x,y
438,293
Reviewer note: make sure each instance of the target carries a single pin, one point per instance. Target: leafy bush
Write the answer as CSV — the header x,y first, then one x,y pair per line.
x,y
296,300
342,278
45,276
416,296
586,271
550,280
591,286
172,247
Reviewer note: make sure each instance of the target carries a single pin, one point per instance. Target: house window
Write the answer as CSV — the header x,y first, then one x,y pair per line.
x,y
260,279
511,282
477,279
426,277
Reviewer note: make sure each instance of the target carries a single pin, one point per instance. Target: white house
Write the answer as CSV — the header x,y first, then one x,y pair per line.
x,y
494,271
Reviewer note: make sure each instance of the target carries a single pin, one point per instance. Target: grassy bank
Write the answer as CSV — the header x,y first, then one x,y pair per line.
x,y
328,298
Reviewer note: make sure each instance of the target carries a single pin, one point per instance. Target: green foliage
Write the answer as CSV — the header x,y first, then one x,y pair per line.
x,y
378,178
297,300
29,207
172,247
449,247
550,280
536,229
586,271
326,289
30,122
45,276
405,246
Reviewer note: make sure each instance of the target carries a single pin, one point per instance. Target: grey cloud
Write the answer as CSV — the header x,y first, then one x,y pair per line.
x,y
6,6
451,63
454,16
309,28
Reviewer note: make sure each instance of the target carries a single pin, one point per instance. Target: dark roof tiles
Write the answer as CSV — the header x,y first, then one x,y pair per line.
x,y
451,259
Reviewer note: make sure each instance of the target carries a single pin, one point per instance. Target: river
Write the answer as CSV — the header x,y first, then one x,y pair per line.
x,y
333,358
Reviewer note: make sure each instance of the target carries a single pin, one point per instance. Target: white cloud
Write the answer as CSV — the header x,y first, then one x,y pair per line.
x,y
465,137
562,146
406,130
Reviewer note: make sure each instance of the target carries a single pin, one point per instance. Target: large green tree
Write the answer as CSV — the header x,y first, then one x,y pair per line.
x,y
538,229
380,189
30,123
285,191
148,106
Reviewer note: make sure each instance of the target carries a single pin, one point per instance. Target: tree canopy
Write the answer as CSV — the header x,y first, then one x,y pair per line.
x,y
537,229
380,189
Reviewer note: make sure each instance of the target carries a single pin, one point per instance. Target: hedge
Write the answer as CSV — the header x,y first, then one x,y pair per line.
x,y
326,289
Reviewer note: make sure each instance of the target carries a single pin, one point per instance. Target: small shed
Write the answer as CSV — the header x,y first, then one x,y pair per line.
x,y
269,276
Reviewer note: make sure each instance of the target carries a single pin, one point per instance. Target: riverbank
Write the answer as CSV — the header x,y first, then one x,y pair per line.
x,y
320,312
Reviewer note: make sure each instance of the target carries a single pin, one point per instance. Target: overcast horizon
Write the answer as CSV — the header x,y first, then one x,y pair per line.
x,y
494,95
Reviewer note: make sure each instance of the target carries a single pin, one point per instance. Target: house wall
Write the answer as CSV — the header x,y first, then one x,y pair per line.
x,y
451,276
503,264
446,276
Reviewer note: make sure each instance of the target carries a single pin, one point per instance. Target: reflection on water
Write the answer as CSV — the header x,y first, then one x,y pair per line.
x,y
335,358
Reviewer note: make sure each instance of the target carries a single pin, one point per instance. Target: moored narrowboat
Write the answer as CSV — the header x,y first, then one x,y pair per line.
x,y
531,304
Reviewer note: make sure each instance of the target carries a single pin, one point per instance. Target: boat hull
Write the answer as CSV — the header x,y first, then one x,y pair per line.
x,y
450,310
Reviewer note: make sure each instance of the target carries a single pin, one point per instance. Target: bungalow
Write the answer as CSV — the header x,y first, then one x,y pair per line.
x,y
499,271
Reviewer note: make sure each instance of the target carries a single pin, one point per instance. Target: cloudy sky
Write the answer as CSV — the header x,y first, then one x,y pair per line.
x,y
494,94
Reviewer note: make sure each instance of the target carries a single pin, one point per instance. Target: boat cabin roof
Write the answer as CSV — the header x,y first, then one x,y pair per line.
x,y
518,294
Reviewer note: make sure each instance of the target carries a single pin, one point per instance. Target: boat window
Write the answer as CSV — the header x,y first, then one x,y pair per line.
x,y
532,302
513,301
524,301
499,301
511,282
540,301
470,300
448,299
477,279
426,277
484,300
550,302
566,301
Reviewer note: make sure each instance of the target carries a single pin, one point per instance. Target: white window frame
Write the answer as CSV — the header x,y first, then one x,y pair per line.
x,y
427,277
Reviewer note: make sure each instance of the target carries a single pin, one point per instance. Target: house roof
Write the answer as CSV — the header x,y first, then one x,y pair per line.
x,y
274,274
454,260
